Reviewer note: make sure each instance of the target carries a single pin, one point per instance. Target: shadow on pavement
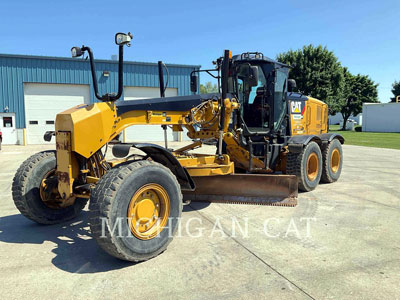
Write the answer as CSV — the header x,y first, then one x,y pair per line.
x,y
76,250
193,206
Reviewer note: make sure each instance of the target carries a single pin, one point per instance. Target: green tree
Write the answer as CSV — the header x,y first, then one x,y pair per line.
x,y
208,87
318,73
358,89
395,90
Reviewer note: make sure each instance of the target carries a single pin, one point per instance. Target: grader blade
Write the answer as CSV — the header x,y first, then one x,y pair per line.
x,y
260,189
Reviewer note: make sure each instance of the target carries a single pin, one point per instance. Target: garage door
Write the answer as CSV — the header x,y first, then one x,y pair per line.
x,y
143,133
44,101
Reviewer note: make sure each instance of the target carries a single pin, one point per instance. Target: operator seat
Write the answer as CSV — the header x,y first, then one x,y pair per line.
x,y
254,112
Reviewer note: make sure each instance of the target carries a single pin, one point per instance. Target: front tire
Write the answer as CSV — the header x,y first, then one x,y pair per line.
x,y
27,195
307,166
135,210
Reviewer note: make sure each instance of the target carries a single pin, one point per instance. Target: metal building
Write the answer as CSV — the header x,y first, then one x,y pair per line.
x,y
381,117
33,89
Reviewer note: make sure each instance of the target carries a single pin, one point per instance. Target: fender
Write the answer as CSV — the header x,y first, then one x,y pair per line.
x,y
329,137
296,143
161,155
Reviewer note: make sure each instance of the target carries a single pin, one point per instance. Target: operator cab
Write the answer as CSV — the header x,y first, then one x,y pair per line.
x,y
261,86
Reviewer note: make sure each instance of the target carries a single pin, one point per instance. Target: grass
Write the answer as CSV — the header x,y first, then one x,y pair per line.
x,y
369,139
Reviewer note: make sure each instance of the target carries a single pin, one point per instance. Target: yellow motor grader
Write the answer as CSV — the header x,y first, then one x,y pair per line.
x,y
271,142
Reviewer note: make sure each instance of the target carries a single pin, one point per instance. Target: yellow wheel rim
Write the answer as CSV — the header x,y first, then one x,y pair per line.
x,y
312,166
148,211
335,160
49,192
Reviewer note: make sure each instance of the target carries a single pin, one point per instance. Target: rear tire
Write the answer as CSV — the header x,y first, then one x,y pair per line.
x,y
26,191
306,165
111,210
332,157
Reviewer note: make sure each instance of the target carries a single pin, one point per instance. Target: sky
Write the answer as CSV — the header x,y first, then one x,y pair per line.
x,y
364,34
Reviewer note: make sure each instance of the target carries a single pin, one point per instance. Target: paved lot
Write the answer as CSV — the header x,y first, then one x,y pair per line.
x,y
351,249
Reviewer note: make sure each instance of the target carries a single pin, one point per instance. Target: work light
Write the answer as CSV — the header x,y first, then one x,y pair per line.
x,y
76,51
123,38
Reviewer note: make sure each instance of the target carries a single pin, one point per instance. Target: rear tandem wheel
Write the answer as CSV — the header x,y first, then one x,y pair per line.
x,y
306,165
332,157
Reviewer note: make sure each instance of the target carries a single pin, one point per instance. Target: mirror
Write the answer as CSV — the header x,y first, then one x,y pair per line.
x,y
123,38
253,76
291,85
193,83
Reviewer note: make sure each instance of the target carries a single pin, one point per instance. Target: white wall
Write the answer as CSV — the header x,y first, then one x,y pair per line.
x,y
43,101
146,133
381,117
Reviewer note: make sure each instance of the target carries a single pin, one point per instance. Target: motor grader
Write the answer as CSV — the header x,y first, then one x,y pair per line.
x,y
271,142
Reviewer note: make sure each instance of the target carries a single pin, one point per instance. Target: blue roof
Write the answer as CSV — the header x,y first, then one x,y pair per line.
x,y
17,70
96,60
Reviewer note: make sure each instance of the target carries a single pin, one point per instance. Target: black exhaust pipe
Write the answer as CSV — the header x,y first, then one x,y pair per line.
x,y
161,78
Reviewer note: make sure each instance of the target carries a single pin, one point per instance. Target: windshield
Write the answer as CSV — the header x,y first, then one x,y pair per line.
x,y
256,110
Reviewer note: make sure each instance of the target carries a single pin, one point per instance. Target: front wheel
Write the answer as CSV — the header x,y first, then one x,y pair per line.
x,y
135,210
307,166
34,191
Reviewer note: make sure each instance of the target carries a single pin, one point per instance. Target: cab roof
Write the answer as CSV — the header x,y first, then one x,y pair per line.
x,y
257,56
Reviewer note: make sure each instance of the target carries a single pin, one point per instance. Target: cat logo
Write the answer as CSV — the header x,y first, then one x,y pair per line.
x,y
296,107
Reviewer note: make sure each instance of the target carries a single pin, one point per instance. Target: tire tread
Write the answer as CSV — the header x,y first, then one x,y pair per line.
x,y
101,202
326,177
20,181
295,166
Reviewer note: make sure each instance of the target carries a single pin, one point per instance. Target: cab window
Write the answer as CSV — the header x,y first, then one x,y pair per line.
x,y
247,94
279,94
261,82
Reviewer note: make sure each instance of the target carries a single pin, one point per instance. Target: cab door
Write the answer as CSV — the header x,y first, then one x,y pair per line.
x,y
255,108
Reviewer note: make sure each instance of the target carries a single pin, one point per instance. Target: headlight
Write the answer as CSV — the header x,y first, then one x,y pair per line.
x,y
123,38
76,52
